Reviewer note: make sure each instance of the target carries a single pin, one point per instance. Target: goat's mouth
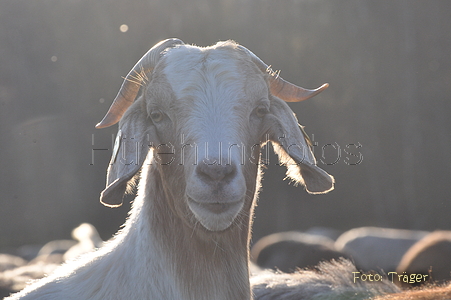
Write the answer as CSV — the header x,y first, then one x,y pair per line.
x,y
215,216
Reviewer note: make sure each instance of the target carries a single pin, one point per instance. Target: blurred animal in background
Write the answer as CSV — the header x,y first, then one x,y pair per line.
x,y
429,256
288,251
88,239
377,248
331,233
18,269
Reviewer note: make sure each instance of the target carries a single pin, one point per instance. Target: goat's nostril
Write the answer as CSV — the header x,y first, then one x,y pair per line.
x,y
216,172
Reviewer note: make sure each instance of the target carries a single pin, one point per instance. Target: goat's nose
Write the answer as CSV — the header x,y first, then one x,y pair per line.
x,y
216,172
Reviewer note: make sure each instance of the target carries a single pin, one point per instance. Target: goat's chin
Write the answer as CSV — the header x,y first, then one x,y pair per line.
x,y
216,216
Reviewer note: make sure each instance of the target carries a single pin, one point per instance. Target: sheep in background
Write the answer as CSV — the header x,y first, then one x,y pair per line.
x,y
42,262
377,248
14,280
56,247
287,251
430,256
15,272
9,261
16,276
330,281
187,236
331,233
88,239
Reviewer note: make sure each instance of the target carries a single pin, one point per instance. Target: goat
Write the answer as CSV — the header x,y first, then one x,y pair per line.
x,y
187,235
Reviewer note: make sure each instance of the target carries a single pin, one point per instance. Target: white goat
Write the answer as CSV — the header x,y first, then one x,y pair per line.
x,y
187,236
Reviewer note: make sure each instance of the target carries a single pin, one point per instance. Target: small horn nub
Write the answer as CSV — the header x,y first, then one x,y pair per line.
x,y
281,88
133,81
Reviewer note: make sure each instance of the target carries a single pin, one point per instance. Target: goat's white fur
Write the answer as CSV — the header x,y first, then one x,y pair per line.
x,y
187,236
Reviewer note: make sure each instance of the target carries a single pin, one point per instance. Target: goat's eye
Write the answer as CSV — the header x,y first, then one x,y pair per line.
x,y
261,111
156,116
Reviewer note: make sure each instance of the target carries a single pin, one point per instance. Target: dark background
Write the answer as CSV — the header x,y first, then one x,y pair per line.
x,y
389,68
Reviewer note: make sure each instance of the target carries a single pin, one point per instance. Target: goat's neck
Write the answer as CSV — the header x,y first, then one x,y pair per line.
x,y
198,264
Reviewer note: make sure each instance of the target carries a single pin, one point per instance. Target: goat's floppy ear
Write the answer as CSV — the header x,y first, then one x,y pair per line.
x,y
294,149
130,150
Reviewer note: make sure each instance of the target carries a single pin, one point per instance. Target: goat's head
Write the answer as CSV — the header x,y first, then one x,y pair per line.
x,y
204,114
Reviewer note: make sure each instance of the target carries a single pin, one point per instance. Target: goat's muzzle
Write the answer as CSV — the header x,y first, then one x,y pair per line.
x,y
216,194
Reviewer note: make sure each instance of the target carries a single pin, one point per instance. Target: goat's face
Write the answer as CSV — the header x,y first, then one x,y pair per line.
x,y
210,105
206,113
